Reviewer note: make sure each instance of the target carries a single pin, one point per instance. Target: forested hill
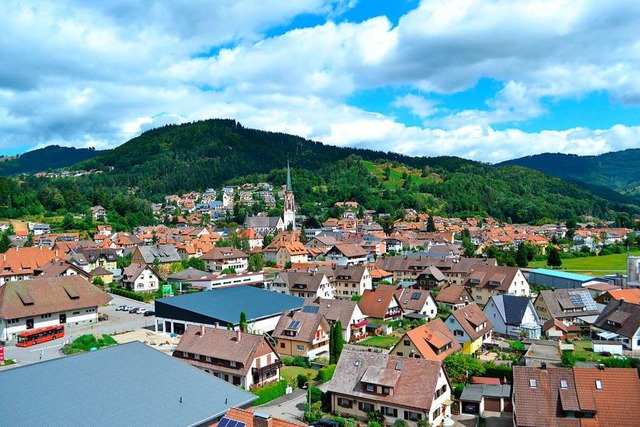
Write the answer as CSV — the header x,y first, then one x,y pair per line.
x,y
617,171
43,159
214,153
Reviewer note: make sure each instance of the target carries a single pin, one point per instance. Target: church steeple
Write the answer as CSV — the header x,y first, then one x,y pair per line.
x,y
289,188
289,203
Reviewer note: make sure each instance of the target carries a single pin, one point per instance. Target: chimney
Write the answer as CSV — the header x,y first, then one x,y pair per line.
x,y
543,365
261,419
238,335
201,331
601,366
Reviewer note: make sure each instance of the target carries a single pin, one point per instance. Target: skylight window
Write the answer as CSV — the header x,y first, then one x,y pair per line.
x,y
533,383
563,384
598,385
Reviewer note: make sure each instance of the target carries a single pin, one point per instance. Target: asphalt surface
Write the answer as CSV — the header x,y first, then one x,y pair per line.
x,y
290,407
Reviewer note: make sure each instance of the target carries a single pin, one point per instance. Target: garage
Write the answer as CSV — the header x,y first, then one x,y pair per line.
x,y
492,404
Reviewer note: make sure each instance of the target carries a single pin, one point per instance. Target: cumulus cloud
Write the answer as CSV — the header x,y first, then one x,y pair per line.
x,y
99,73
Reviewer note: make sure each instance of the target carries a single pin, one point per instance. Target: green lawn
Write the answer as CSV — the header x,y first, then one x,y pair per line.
x,y
582,350
292,372
591,266
382,342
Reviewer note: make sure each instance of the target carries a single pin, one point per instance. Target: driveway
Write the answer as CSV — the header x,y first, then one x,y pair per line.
x,y
495,419
290,407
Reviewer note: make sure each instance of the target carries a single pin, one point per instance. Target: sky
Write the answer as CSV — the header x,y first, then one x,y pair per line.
x,y
487,80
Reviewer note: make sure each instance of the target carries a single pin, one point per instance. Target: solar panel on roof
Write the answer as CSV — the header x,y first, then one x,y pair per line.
x,y
415,295
223,422
294,324
310,309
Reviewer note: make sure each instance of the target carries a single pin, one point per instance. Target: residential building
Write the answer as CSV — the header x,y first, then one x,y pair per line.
x,y
98,213
302,334
242,359
160,256
264,225
221,307
579,396
631,295
304,284
21,263
619,321
347,254
221,258
470,326
190,397
38,303
140,278
485,281
59,268
454,296
381,303
351,280
346,311
571,306
251,418
513,316
431,341
91,258
409,389
417,303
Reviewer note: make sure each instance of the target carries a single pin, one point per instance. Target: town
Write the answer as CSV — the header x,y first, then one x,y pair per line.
x,y
285,320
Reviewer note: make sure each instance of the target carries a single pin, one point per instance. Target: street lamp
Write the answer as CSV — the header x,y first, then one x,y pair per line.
x,y
308,385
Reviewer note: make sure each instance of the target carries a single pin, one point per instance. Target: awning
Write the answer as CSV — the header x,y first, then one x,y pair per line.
x,y
608,335
360,324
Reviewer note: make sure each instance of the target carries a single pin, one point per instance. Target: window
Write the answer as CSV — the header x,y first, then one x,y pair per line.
x,y
458,333
407,342
366,407
13,321
76,312
281,345
533,383
344,403
371,387
391,412
563,384
185,354
598,385
207,359
232,364
45,316
412,416
300,347
196,356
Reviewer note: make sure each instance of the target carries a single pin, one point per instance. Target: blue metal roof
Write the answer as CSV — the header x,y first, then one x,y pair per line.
x,y
125,385
562,274
225,304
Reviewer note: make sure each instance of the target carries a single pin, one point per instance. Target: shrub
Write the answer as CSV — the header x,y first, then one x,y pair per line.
x,y
287,360
400,423
325,374
499,371
316,394
301,380
300,361
270,392
568,359
517,346
375,417
130,294
87,342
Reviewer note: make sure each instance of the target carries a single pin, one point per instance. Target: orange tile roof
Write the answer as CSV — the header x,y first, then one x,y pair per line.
x,y
246,416
429,338
23,261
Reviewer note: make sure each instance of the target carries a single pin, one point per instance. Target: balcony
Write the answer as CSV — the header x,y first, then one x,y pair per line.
x,y
260,372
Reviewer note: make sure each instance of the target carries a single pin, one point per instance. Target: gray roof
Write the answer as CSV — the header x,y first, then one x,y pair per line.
x,y
189,274
164,253
225,304
512,308
116,386
475,392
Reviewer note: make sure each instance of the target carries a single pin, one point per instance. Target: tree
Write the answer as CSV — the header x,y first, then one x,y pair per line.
x,y
521,256
256,262
332,344
243,321
5,242
194,262
339,339
228,270
553,260
431,225
568,359
461,367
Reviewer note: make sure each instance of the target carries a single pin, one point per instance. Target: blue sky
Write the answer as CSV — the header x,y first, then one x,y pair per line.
x,y
488,80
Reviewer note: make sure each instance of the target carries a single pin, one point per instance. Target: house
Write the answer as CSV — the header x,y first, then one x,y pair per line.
x,y
470,326
59,268
631,295
351,280
347,254
190,397
431,341
140,278
98,213
409,389
381,303
454,297
38,303
221,258
160,256
251,418
242,359
417,303
485,281
221,307
91,258
302,334
106,276
322,242
513,316
346,311
478,398
291,253
580,396
21,263
619,321
571,306
304,284
430,278
556,329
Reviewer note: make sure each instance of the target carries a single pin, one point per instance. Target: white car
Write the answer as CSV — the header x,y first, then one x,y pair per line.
x,y
142,311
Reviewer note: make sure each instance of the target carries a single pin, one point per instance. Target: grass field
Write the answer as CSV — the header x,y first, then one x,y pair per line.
x,y
289,372
582,350
381,342
591,266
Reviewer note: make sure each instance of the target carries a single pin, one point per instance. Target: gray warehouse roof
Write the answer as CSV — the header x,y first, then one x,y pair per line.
x,y
125,385
225,304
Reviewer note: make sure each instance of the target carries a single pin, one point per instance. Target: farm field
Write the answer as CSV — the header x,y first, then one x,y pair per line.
x,y
591,266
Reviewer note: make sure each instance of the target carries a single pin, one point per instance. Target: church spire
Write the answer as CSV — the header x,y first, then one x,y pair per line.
x,y
288,177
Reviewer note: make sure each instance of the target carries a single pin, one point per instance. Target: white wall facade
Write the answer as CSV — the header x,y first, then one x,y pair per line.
x,y
10,328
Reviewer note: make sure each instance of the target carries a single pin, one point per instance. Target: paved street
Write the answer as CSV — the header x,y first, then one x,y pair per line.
x,y
289,407
118,322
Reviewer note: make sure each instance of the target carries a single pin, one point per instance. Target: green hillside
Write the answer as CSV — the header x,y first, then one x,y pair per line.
x,y
48,158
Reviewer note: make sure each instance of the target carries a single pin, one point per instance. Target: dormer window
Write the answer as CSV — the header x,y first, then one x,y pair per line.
x,y
371,387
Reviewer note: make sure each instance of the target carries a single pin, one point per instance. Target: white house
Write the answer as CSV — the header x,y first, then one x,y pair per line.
x,y
513,316
140,278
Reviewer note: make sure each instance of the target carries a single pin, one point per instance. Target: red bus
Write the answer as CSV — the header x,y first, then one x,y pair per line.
x,y
37,336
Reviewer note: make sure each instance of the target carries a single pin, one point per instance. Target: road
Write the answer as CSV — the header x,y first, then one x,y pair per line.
x,y
119,321
289,407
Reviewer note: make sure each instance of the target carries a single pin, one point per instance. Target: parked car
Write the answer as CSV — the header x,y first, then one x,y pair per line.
x,y
122,308
326,423
149,313
134,310
142,311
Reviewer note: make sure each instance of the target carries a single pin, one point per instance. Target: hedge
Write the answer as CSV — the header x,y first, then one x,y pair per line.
x,y
269,392
325,374
130,294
